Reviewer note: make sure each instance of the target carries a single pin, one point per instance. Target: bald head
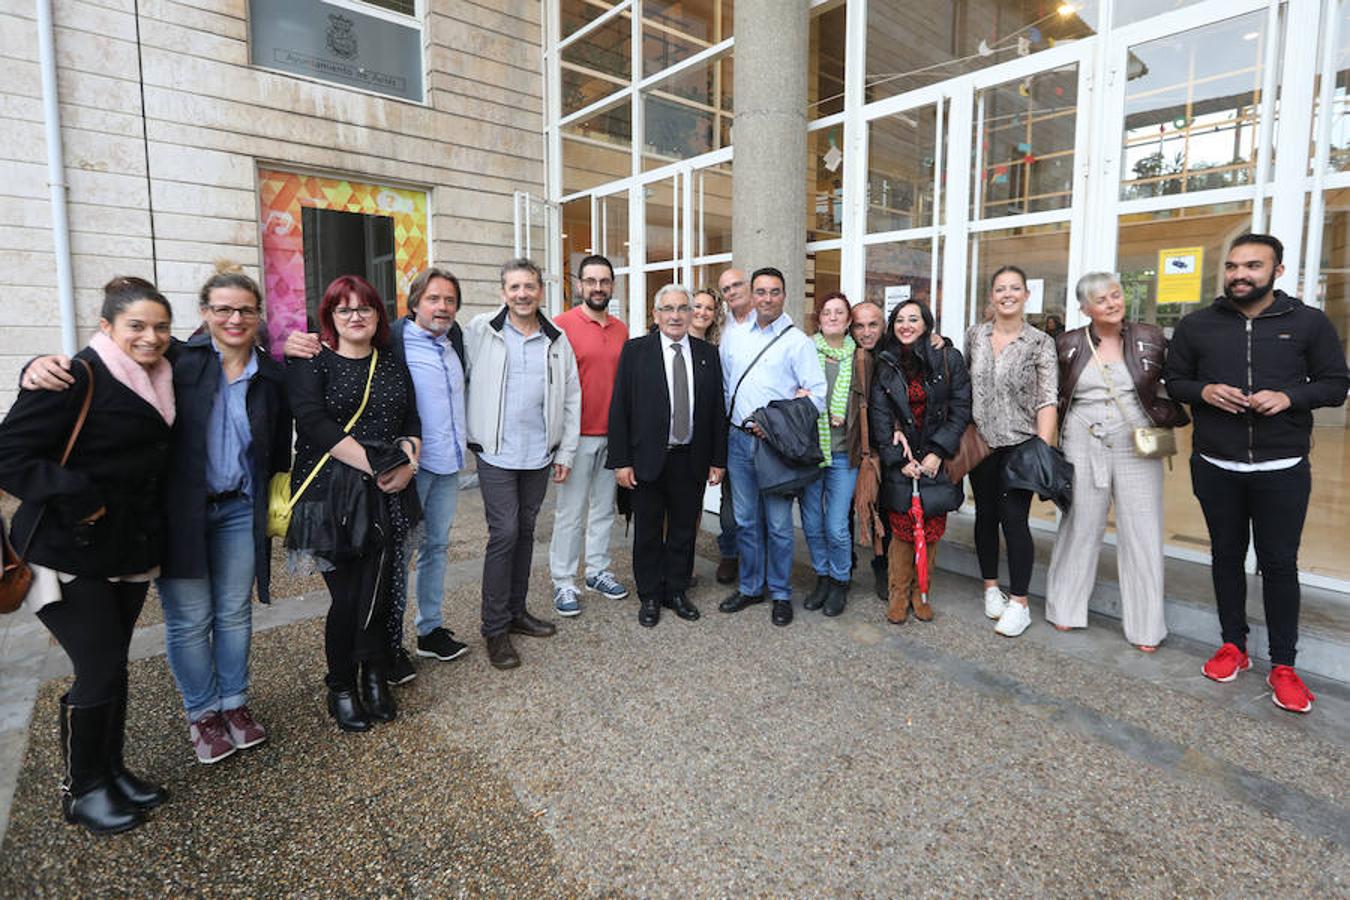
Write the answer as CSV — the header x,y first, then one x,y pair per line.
x,y
735,290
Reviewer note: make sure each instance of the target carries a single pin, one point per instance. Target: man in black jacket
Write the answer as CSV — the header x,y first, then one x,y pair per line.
x,y
1253,366
667,435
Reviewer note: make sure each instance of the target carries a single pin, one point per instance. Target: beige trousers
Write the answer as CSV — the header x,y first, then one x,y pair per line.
x,y
1107,470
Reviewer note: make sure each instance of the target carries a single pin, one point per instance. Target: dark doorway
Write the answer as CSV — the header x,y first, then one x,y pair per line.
x,y
347,243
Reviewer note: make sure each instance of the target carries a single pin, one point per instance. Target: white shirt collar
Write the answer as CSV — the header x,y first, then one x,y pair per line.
x,y
667,342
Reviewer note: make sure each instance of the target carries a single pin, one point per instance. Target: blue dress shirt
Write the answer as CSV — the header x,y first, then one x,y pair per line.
x,y
790,364
438,382
228,435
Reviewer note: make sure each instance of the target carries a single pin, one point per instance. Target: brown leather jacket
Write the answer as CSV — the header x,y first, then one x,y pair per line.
x,y
857,405
1145,349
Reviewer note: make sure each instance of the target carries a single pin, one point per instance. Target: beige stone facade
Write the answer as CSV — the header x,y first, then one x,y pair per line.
x,y
164,138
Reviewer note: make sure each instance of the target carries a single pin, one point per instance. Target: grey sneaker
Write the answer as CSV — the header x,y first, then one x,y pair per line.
x,y
566,601
605,584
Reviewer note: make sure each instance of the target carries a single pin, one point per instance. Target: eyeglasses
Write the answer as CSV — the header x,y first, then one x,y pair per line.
x,y
681,310
597,282
225,313
360,312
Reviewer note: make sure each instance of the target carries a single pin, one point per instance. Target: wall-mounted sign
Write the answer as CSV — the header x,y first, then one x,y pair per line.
x,y
1179,273
322,40
895,295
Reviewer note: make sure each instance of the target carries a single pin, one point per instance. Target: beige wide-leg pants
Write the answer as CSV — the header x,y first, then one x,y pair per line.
x,y
1107,469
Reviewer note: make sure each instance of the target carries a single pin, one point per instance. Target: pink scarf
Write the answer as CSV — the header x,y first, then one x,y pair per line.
x,y
153,385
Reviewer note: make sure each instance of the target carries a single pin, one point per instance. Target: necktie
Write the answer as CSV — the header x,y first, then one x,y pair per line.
x,y
679,404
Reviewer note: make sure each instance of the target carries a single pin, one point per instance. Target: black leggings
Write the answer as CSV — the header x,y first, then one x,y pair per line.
x,y
993,507
93,621
357,619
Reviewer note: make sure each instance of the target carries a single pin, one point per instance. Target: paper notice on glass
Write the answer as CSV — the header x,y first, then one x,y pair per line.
x,y
1035,295
1179,274
895,295
832,158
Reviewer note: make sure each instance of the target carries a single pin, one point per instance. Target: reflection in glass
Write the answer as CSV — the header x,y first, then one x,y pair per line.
x,y
1025,131
902,170
1042,251
900,272
1338,154
686,114
596,65
1192,105
613,215
662,220
913,43
674,30
825,183
576,13
576,237
822,277
596,150
712,212
1323,548
1139,10
825,81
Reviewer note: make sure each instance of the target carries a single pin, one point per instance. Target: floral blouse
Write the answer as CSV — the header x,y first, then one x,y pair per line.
x,y
1008,390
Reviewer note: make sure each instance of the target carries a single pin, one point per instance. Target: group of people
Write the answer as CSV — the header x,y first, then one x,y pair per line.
x,y
173,451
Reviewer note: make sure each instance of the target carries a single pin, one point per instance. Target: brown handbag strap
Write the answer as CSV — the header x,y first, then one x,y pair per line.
x,y
862,412
84,412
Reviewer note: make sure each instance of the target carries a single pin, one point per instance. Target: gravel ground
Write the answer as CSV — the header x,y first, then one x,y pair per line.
x,y
714,758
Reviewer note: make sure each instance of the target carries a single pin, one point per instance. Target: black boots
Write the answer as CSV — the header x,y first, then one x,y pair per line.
x,y
89,797
140,793
816,599
375,695
837,597
345,708
881,578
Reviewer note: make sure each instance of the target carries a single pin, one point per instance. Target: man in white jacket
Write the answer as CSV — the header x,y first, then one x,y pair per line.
x,y
524,423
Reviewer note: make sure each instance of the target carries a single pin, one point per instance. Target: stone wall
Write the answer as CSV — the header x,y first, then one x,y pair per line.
x,y
179,122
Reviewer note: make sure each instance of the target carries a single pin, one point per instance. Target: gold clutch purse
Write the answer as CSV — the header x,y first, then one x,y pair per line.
x,y
1155,442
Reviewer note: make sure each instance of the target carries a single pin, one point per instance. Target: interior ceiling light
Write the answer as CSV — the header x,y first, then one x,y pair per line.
x,y
1251,35
1067,9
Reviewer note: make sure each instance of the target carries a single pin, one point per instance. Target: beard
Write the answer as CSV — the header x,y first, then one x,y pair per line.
x,y
596,302
1257,294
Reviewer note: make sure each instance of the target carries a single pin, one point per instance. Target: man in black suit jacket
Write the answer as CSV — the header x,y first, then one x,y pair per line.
x,y
665,447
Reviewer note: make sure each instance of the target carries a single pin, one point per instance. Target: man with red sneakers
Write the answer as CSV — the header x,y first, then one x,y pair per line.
x,y
1253,366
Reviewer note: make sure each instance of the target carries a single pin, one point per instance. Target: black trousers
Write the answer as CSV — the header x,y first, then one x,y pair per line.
x,y
355,630
1271,507
665,517
93,621
511,501
995,507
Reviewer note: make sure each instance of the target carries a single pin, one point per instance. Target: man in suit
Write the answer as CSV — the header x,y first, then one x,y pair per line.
x,y
667,435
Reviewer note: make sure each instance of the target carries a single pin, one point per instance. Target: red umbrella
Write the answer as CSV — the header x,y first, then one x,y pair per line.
x,y
920,541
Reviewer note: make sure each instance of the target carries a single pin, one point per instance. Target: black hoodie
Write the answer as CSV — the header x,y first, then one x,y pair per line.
x,y
1289,347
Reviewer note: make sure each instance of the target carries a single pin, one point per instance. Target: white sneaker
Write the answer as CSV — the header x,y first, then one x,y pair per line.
x,y
1014,620
995,602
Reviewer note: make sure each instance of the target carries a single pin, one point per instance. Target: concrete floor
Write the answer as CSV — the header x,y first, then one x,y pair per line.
x,y
725,756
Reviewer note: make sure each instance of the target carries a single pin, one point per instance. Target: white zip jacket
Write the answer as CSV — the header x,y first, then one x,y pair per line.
x,y
485,354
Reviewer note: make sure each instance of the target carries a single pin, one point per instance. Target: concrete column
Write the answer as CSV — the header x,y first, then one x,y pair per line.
x,y
768,219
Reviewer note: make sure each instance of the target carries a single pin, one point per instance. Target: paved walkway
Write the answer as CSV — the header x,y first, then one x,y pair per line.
x,y
711,758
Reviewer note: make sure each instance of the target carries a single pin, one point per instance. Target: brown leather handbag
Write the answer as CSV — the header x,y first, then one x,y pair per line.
x,y
973,448
18,576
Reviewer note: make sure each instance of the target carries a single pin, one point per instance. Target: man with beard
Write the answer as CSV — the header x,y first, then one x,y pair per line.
x,y
1253,366
597,339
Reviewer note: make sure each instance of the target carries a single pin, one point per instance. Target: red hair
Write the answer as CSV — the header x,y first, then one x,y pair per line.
x,y
832,295
341,288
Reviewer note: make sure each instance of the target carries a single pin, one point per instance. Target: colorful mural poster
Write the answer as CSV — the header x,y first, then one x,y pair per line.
x,y
283,194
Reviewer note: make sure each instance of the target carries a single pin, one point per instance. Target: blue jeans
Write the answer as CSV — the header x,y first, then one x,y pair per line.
x,y
826,507
439,495
208,622
764,525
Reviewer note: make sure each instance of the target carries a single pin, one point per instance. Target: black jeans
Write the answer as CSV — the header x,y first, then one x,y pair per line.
x,y
665,516
511,501
355,631
93,621
994,507
1271,507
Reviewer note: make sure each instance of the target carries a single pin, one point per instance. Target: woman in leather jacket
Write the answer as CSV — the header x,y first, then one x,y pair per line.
x,y
920,404
1109,385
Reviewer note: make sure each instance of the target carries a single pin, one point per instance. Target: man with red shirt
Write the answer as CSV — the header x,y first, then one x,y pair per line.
x,y
597,338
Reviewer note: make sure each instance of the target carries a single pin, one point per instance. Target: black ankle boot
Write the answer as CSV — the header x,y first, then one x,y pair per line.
x,y
375,695
89,797
837,598
140,793
881,578
816,599
345,707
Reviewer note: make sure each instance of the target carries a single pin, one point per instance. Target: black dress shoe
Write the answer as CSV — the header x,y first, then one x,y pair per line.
x,y
837,598
727,569
529,626
500,652
682,607
649,612
344,706
737,602
816,599
375,695
782,612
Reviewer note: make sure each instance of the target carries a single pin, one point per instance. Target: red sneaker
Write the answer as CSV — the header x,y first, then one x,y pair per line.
x,y
1288,690
1227,663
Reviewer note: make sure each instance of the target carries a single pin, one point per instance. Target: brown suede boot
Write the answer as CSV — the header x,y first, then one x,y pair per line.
x,y
900,575
924,611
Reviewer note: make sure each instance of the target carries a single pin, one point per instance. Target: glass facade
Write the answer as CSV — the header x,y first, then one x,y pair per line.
x,y
1064,137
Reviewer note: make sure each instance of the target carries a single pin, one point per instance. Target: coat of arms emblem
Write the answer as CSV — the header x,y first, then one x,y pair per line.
x,y
341,39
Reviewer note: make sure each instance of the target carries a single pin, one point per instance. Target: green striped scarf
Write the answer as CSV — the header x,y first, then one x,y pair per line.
x,y
838,400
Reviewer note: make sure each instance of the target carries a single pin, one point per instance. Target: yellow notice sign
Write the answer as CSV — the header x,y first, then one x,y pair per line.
x,y
1179,271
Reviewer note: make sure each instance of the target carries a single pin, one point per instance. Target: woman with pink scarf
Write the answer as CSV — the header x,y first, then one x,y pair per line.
x,y
93,532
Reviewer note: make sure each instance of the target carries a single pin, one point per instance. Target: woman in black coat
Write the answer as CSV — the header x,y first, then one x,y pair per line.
x,y
919,407
94,533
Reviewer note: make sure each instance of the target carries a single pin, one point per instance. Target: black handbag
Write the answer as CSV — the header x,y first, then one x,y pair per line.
x,y
939,495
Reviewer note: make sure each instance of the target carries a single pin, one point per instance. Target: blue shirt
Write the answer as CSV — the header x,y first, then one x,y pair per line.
x,y
228,435
524,443
790,364
438,382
